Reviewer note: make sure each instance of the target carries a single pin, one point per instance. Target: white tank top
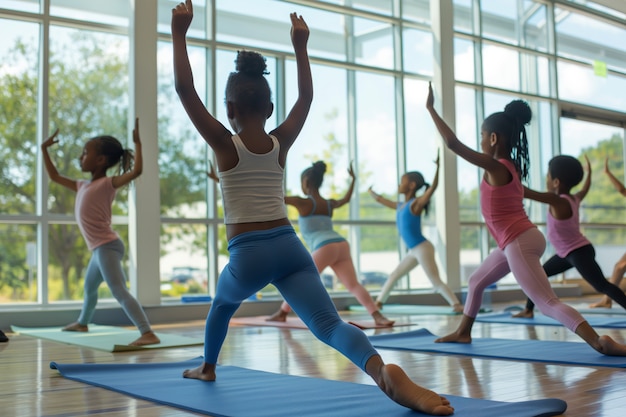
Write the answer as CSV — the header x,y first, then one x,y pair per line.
x,y
253,190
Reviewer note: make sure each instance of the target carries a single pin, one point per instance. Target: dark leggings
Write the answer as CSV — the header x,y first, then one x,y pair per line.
x,y
584,260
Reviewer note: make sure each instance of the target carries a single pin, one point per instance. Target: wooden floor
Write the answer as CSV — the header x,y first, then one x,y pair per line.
x,y
28,387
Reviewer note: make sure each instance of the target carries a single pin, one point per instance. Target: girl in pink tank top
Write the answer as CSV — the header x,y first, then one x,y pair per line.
x,y
504,158
573,250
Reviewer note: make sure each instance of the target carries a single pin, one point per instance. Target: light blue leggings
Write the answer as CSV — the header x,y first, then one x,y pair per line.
x,y
278,257
106,265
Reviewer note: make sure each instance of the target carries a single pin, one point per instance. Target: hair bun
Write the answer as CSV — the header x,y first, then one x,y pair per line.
x,y
251,63
520,110
319,166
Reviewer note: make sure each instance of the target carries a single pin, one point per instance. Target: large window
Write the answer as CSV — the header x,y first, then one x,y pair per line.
x,y
70,65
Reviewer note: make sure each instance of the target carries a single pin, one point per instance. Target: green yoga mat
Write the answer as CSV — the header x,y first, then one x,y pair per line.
x,y
107,338
413,309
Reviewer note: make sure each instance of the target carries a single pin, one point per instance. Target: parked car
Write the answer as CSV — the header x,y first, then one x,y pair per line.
x,y
373,278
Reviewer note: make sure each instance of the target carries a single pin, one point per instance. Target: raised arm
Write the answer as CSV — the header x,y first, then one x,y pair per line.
x,y
213,132
346,198
559,207
587,183
453,143
288,130
50,168
619,186
420,202
121,180
382,200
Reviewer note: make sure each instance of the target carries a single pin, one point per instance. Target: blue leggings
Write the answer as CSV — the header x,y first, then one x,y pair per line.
x,y
106,265
278,257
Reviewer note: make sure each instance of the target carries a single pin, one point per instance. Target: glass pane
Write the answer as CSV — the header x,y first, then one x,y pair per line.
x,y
464,60
422,139
183,261
535,26
416,10
19,81
499,20
324,135
18,263
536,75
600,143
379,255
587,39
112,12
376,141
376,6
463,19
265,24
581,84
500,67
88,97
373,43
418,51
182,152
199,25
33,6
468,175
607,241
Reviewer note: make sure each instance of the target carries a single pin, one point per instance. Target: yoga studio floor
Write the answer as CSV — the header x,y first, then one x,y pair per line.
x,y
28,387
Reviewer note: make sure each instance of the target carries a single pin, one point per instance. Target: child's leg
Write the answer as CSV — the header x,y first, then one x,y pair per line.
x,y
109,258
343,267
524,257
584,259
425,254
409,262
93,279
554,265
616,278
493,268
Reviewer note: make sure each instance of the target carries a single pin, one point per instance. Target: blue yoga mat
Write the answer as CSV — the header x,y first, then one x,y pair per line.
x,y
570,353
540,319
245,392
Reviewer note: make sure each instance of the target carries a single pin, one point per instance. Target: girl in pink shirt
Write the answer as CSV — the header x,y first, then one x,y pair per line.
x,y
573,250
93,214
504,158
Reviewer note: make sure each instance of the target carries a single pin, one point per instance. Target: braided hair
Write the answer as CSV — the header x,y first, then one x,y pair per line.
x,y
510,125
418,179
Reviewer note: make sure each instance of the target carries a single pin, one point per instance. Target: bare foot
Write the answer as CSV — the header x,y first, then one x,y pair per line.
x,y
148,338
610,347
524,314
455,337
280,315
76,327
457,308
605,302
398,386
381,320
204,372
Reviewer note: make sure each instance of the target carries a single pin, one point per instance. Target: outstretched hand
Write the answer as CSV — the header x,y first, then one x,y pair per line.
x,y
587,164
51,140
437,159
351,171
606,166
430,101
212,174
299,31
182,15
136,139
